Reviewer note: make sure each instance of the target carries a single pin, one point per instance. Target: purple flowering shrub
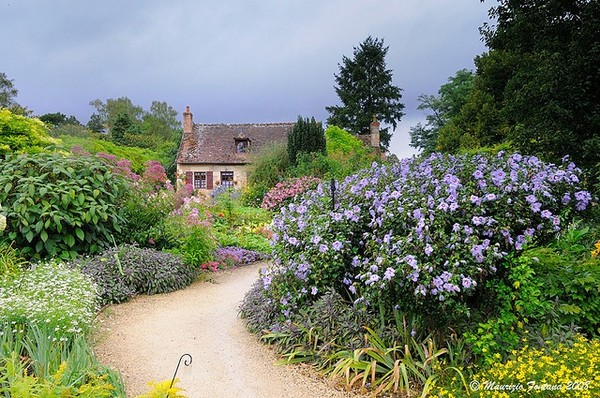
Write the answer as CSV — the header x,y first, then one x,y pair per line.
x,y
419,235
232,256
285,191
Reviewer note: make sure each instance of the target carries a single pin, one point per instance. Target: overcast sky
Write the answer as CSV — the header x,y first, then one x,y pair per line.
x,y
231,61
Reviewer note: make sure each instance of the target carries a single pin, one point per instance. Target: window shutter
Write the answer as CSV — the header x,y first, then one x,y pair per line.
x,y
189,178
209,180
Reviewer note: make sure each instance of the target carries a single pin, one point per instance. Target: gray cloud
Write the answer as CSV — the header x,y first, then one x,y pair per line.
x,y
231,61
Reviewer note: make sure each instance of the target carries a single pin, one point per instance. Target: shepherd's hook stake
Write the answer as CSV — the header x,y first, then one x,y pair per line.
x,y
185,362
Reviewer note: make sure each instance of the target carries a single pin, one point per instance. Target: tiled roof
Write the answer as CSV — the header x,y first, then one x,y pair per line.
x,y
215,143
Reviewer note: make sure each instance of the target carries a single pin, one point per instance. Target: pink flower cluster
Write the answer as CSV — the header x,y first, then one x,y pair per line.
x,y
286,190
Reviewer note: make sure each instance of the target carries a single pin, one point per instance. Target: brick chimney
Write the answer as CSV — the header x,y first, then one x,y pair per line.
x,y
375,132
188,124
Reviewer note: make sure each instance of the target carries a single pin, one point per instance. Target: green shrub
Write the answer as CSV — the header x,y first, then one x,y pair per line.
x,y
95,144
516,302
125,271
570,277
60,206
49,295
145,213
21,134
198,247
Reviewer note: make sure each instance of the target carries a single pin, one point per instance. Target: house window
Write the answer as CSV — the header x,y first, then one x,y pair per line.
x,y
242,146
199,180
227,178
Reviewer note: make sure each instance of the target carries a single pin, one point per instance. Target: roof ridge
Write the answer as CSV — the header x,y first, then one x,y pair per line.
x,y
245,124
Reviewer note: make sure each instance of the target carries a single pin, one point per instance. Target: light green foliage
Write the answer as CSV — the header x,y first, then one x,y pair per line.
x,y
49,295
346,152
268,167
389,368
307,136
198,247
11,262
21,134
137,156
364,86
518,303
164,389
60,206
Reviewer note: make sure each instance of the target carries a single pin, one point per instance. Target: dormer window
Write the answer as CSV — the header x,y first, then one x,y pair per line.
x,y
242,145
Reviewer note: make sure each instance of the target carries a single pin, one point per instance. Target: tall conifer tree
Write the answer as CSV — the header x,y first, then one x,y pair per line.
x,y
364,86
307,136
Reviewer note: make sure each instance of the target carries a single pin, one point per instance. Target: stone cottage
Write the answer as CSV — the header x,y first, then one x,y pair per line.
x,y
219,154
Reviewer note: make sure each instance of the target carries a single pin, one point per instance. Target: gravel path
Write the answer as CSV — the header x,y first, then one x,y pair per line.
x,y
145,337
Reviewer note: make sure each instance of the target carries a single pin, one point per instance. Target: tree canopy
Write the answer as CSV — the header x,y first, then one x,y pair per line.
x,y
364,86
451,97
538,86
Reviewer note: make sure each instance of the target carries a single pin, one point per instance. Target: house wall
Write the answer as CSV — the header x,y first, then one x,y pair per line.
x,y
240,173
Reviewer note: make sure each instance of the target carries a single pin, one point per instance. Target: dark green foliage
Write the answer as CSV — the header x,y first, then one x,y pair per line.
x,y
125,271
58,119
571,280
95,123
145,213
364,86
307,136
60,206
538,86
452,96
8,92
122,126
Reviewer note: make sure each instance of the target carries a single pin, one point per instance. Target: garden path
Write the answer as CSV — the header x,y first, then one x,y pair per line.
x,y
145,337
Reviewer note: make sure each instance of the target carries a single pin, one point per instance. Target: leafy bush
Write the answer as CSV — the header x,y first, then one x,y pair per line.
x,y
125,271
21,134
198,247
49,295
420,236
95,144
60,206
570,276
513,303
